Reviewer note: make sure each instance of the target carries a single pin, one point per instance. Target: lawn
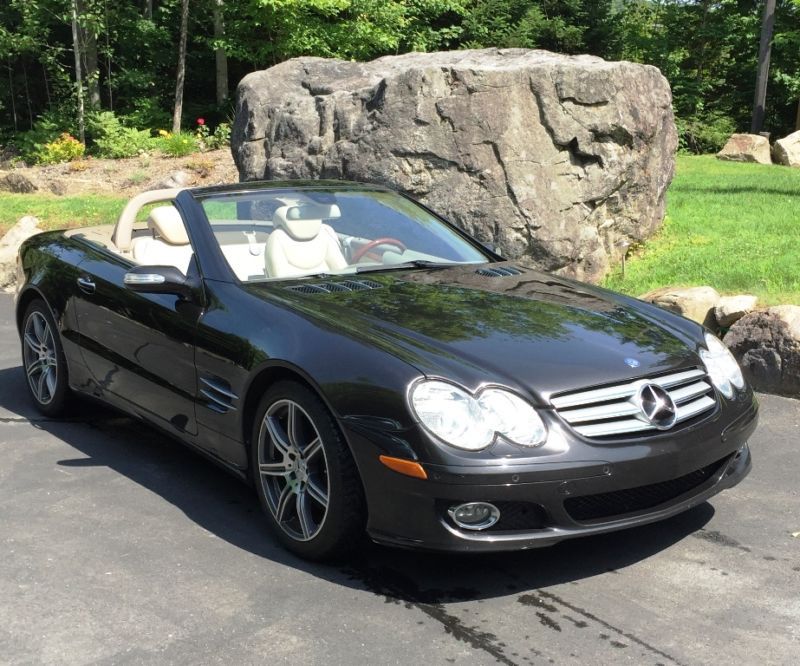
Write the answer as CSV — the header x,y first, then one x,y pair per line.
x,y
733,226
59,212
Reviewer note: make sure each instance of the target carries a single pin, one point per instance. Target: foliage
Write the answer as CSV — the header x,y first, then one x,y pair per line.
x,y
112,139
177,145
65,148
704,132
728,225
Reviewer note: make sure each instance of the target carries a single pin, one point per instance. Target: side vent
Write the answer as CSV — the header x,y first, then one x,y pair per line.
x,y
499,271
219,395
335,287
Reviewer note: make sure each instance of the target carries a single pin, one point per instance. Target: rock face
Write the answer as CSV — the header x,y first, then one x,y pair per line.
x,y
767,345
695,303
746,148
553,158
9,246
786,151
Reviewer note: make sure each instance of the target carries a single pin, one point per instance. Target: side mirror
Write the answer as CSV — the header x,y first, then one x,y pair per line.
x,y
159,280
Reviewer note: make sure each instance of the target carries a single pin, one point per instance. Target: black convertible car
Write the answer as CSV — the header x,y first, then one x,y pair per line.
x,y
368,366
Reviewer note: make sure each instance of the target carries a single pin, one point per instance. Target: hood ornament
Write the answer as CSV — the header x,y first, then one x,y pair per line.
x,y
656,406
632,362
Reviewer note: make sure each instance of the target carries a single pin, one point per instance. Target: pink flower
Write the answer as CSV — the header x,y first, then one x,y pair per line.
x,y
201,121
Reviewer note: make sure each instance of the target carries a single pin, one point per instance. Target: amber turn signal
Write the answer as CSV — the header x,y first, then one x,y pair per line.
x,y
407,467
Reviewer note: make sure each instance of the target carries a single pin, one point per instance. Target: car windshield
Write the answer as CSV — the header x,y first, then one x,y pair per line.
x,y
283,233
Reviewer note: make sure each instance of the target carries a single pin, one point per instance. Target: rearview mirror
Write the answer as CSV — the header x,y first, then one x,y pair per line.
x,y
158,280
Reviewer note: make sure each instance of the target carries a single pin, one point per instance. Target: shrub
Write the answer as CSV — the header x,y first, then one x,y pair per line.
x,y
45,130
63,149
207,140
177,145
112,139
704,132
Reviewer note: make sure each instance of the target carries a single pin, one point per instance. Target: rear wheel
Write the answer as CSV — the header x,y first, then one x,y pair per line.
x,y
43,360
305,477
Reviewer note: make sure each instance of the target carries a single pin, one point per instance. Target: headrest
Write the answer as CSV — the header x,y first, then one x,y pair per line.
x,y
303,222
166,221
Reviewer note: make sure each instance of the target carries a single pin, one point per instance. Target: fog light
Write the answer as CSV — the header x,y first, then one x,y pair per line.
x,y
474,515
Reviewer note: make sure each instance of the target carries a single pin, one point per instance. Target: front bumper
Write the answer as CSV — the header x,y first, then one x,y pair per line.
x,y
615,488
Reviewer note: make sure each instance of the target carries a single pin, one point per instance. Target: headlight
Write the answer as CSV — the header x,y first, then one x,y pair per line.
x,y
722,367
466,422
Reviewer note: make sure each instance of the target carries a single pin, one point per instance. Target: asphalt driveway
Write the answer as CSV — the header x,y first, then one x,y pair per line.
x,y
120,546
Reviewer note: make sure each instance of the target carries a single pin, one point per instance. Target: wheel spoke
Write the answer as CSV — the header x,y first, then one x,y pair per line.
x,y
306,523
313,448
273,469
291,425
38,329
40,387
50,380
317,493
38,365
31,342
283,503
277,433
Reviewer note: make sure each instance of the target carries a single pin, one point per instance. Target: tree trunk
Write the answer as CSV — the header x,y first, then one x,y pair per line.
x,y
219,52
88,39
759,103
78,76
181,75
147,9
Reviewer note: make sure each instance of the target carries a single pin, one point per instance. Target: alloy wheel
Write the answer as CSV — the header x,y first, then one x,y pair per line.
x,y
293,470
40,358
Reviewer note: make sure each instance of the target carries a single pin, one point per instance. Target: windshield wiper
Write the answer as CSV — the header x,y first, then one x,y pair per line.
x,y
414,263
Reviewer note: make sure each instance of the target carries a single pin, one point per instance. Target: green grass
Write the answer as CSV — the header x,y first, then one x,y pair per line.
x,y
733,226
59,212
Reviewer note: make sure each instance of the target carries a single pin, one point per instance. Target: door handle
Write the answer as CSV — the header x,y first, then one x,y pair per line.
x,y
86,285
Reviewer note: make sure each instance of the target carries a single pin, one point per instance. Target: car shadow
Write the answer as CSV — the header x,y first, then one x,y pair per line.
x,y
228,508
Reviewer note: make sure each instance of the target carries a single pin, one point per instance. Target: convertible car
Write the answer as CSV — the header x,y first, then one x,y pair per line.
x,y
370,368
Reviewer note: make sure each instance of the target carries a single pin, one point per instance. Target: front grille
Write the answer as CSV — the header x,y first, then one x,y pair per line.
x,y
335,287
620,502
499,271
609,411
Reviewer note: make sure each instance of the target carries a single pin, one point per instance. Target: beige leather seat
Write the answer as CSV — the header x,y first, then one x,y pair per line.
x,y
168,245
301,244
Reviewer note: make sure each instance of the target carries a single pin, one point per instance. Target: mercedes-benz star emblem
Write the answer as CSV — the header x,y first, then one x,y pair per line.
x,y
656,406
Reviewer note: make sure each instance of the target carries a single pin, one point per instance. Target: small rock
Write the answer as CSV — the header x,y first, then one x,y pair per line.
x,y
746,148
732,308
767,345
174,180
9,246
17,183
57,187
786,151
695,303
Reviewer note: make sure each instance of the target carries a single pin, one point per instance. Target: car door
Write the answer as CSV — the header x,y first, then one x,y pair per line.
x,y
138,347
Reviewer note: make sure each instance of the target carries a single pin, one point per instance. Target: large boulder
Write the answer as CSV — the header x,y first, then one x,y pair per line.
x,y
695,303
767,345
731,309
786,151
553,158
17,183
746,148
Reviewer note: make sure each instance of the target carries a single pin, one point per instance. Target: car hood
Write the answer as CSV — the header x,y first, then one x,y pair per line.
x,y
531,331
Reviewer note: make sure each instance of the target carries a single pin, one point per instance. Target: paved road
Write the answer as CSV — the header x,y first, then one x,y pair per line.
x,y
119,546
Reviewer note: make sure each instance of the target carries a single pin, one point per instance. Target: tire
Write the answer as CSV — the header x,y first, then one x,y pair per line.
x,y
43,360
305,476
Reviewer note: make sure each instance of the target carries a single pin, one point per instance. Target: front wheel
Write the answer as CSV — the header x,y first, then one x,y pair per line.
x,y
43,360
304,474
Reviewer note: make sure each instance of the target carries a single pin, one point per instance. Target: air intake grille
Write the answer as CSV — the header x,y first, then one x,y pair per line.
x,y
499,271
335,287
620,502
610,411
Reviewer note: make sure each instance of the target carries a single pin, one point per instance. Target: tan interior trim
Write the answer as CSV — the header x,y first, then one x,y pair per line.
x,y
124,228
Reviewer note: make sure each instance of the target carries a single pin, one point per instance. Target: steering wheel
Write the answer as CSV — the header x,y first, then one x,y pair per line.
x,y
360,252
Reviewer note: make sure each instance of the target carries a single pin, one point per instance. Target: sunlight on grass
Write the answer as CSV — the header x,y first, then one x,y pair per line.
x,y
733,226
59,212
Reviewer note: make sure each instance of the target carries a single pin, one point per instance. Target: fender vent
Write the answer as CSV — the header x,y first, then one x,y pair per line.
x,y
499,271
218,394
335,287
